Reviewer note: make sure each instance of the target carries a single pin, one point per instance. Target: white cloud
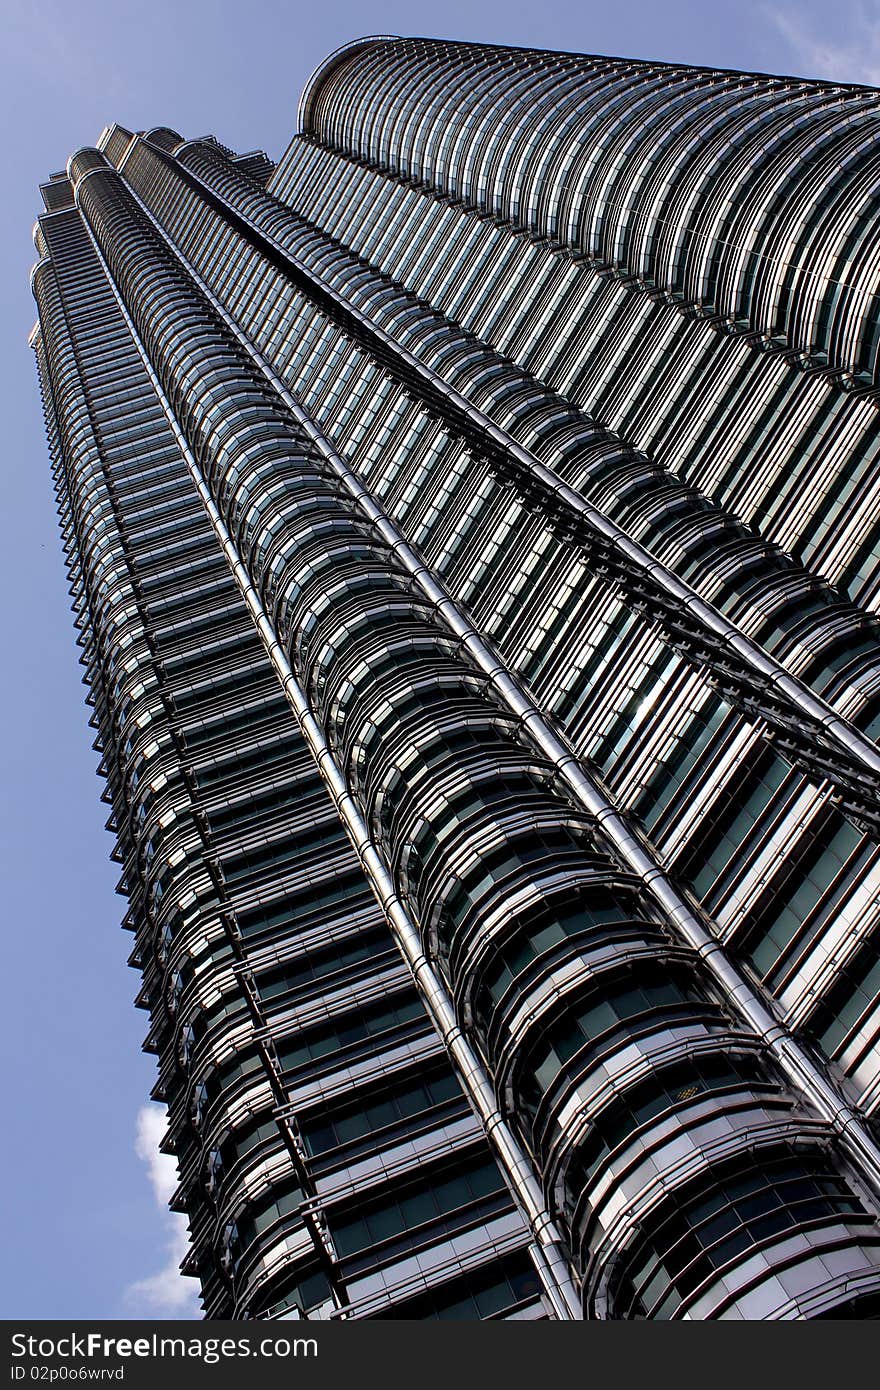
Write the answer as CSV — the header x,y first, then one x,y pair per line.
x,y
167,1291
850,54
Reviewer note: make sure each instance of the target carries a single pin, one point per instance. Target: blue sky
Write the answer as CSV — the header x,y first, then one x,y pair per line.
x,y
85,1233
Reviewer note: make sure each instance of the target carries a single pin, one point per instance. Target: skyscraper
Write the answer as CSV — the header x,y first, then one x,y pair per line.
x,y
473,534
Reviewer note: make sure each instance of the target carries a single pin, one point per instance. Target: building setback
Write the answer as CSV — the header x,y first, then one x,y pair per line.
x,y
473,530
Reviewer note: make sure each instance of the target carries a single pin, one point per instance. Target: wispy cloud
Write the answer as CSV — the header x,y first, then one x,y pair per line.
x,y
167,1291
843,44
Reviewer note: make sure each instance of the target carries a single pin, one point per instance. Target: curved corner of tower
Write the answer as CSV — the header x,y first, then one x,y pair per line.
x,y
32,280
325,70
84,161
164,136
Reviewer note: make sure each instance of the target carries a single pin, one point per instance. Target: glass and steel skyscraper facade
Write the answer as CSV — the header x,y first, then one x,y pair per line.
x,y
472,525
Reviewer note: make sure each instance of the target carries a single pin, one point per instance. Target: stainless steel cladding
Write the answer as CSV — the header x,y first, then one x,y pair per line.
x,y
472,522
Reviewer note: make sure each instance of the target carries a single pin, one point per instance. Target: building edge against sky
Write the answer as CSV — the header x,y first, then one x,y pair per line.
x,y
472,530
